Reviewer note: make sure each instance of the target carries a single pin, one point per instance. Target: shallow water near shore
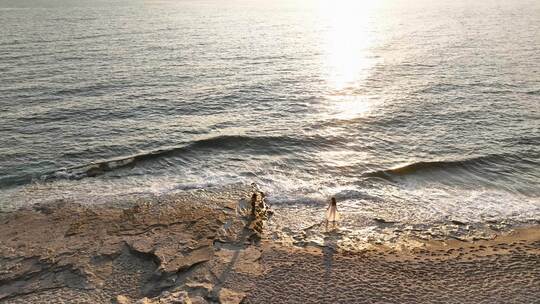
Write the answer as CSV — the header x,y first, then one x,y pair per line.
x,y
409,112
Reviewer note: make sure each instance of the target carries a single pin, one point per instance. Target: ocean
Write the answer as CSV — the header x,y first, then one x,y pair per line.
x,y
411,111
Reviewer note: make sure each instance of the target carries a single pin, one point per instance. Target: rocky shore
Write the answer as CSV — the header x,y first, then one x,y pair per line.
x,y
180,250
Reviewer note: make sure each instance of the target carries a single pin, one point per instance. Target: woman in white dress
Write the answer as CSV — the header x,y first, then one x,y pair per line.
x,y
332,215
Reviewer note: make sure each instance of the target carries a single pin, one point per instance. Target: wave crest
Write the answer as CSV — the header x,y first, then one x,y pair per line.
x,y
442,165
267,144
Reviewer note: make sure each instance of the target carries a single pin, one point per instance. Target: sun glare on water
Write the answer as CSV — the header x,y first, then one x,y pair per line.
x,y
348,106
347,56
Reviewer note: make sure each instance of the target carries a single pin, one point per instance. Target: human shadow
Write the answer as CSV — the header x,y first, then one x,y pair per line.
x,y
330,246
248,236
225,274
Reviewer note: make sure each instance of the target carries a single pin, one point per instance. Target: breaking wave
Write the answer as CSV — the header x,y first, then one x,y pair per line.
x,y
469,164
253,144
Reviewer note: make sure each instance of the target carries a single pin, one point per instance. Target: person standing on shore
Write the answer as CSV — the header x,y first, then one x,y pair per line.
x,y
332,214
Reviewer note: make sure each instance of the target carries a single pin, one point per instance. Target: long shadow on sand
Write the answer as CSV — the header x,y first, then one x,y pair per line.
x,y
239,245
331,240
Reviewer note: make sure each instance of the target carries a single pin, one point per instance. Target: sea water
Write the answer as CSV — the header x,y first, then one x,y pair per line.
x,y
413,111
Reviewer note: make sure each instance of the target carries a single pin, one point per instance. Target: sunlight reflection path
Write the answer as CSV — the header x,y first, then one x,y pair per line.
x,y
348,58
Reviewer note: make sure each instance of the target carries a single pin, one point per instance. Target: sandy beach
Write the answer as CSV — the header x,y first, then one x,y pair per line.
x,y
186,251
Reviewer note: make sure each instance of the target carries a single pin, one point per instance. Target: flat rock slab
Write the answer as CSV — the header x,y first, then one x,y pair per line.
x,y
136,251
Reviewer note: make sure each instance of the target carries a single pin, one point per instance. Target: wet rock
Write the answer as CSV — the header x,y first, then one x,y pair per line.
x,y
383,221
44,208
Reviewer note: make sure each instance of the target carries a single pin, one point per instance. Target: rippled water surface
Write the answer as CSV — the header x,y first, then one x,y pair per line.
x,y
413,111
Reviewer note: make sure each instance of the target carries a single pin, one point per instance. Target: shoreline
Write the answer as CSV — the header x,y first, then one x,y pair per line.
x,y
201,251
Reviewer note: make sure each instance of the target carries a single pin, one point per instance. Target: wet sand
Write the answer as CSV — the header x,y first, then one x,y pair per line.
x,y
184,251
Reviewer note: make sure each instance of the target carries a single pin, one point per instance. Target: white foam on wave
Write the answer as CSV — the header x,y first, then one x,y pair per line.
x,y
401,203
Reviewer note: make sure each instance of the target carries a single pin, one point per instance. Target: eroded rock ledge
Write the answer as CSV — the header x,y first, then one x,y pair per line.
x,y
168,252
